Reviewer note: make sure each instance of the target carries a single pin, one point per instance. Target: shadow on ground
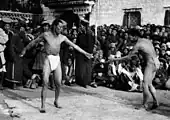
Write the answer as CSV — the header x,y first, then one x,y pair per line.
x,y
130,98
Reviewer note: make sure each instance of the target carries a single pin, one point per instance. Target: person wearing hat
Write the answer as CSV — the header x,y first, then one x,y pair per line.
x,y
52,43
112,50
85,40
147,50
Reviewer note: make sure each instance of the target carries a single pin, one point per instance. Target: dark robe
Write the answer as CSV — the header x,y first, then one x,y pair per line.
x,y
15,65
7,49
83,64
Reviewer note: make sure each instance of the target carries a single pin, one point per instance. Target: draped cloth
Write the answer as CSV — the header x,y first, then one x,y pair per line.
x,y
83,66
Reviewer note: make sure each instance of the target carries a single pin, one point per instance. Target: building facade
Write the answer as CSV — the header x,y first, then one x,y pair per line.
x,y
131,12
70,10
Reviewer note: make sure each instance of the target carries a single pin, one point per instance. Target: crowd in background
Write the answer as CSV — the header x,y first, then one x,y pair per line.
x,y
111,41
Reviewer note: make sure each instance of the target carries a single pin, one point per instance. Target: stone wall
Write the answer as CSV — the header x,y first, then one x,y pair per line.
x,y
111,11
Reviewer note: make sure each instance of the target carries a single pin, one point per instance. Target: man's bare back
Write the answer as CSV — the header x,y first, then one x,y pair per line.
x,y
146,48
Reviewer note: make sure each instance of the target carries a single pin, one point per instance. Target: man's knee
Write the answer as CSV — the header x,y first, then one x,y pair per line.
x,y
151,88
45,83
58,83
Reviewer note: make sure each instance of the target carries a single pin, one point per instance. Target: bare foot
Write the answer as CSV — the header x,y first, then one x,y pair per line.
x,y
42,110
143,107
56,105
154,106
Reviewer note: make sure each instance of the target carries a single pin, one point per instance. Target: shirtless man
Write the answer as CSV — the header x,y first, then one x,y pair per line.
x,y
146,48
53,40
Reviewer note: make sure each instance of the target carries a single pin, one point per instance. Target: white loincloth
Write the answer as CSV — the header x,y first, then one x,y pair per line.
x,y
54,61
157,63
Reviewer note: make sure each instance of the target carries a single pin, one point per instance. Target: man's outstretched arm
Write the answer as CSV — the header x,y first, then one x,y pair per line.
x,y
120,59
31,44
88,55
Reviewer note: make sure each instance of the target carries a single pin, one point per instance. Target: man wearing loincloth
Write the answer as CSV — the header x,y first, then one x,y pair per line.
x,y
147,50
53,40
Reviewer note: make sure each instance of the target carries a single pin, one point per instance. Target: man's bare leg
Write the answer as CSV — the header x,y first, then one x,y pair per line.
x,y
46,74
153,93
146,81
146,95
57,82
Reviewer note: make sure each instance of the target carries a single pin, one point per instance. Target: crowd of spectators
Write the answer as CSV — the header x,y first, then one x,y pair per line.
x,y
111,41
116,41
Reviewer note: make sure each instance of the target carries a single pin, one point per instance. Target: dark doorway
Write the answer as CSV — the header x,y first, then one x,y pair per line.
x,y
132,19
70,18
167,18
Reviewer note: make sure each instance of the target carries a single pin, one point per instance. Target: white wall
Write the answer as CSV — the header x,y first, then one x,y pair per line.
x,y
111,11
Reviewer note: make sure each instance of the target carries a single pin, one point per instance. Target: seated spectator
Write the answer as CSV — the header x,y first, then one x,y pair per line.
x,y
161,75
99,74
99,70
69,73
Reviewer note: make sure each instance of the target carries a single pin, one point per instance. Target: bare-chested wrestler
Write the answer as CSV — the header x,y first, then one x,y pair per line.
x,y
53,40
146,49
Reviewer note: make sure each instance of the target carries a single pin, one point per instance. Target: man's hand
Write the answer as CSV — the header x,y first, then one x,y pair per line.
x,y
89,56
22,53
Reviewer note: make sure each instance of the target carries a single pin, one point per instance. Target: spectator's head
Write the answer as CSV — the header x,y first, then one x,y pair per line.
x,y
164,39
157,30
103,37
163,29
7,27
134,34
165,34
160,34
118,54
100,54
156,43
142,32
163,46
167,56
157,49
162,63
114,32
46,27
162,53
110,31
74,32
29,30
70,62
168,45
22,29
126,36
112,46
126,51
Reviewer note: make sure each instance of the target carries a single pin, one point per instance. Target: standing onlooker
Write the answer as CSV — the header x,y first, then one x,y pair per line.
x,y
15,66
83,69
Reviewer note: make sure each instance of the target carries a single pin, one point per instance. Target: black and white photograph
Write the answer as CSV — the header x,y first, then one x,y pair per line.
x,y
85,60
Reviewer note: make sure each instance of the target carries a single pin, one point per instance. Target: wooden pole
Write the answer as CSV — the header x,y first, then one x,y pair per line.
x,y
97,18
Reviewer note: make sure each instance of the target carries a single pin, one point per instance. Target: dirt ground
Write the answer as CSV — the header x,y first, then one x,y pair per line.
x,y
82,104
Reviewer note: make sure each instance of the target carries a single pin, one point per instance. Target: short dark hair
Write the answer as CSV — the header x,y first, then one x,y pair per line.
x,y
134,32
56,22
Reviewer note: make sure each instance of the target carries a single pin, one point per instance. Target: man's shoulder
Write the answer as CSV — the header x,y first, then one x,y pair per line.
x,y
144,40
63,37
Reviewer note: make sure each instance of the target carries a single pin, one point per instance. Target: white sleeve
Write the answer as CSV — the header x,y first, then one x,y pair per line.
x,y
139,73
